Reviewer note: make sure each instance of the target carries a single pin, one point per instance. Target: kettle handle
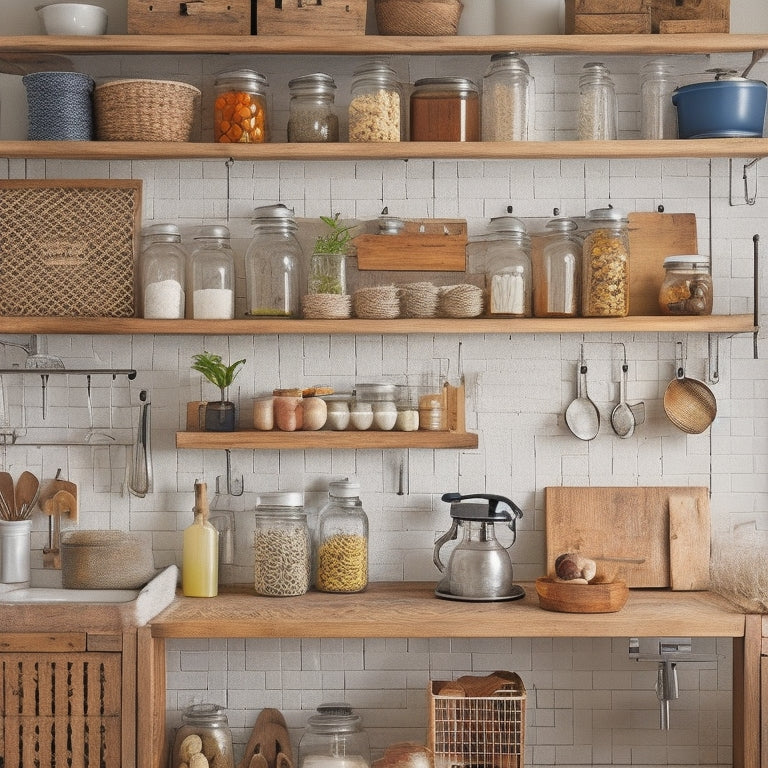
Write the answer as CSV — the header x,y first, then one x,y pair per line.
x,y
493,502
450,534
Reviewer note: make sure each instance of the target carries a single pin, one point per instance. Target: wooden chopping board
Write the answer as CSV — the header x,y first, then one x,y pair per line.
x,y
632,523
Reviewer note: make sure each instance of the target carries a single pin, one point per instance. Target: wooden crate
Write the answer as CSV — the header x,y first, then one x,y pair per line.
x,y
694,16
298,17
194,17
585,17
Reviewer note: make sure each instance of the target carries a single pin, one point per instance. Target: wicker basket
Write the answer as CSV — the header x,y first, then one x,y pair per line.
x,y
418,17
145,110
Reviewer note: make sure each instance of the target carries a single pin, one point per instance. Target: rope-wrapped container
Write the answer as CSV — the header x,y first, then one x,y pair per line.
x,y
381,302
145,110
420,300
326,306
59,106
418,17
463,300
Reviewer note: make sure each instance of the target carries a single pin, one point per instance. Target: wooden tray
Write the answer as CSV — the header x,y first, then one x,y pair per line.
x,y
581,598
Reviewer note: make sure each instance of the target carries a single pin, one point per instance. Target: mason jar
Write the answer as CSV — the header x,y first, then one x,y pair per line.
x,y
508,260
162,273
507,99
376,105
445,109
213,274
658,115
204,731
240,107
605,281
557,271
334,738
312,118
687,286
598,109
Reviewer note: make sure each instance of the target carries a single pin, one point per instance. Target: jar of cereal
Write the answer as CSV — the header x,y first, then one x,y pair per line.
x,y
605,282
376,108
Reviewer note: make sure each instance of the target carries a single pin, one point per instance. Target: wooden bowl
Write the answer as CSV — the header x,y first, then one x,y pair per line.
x,y
581,598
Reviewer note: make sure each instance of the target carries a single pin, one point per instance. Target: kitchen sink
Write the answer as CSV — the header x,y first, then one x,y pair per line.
x,y
54,595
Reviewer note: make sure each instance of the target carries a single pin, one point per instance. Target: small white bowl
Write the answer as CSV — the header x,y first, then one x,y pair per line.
x,y
72,19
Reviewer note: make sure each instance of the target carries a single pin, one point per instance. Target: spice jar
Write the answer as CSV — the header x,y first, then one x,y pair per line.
x,y
342,540
557,271
507,97
334,738
163,270
282,546
508,260
687,286
432,413
445,109
288,411
263,413
240,108
272,263
376,105
598,110
337,417
361,415
407,417
311,115
658,115
203,739
213,275
605,280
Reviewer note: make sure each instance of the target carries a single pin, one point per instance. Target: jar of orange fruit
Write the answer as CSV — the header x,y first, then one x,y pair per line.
x,y
240,109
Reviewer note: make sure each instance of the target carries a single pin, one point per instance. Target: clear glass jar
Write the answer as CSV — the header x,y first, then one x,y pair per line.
x,y
360,415
204,731
272,263
557,271
162,273
507,99
328,273
508,258
282,546
213,275
658,115
311,116
240,107
433,415
445,109
598,109
376,105
334,738
687,286
605,275
342,540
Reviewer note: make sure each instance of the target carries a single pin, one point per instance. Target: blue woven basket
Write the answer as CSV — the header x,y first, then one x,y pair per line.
x,y
59,106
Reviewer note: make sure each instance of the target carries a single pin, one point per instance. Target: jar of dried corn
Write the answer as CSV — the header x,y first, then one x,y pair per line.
x,y
605,282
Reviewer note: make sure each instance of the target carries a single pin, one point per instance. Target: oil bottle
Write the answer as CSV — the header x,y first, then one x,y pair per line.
x,y
200,551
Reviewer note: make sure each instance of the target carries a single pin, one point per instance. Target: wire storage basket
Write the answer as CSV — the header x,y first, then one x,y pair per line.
x,y
473,731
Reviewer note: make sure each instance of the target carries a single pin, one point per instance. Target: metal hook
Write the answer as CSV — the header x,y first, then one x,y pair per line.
x,y
750,200
713,361
234,487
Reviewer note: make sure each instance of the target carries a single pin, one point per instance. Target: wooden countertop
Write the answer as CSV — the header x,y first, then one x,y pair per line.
x,y
402,609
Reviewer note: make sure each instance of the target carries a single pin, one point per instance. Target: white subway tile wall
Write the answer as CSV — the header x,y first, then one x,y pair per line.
x,y
588,703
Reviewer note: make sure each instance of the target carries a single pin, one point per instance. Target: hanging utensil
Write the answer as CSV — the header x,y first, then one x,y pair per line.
x,y
688,403
140,481
6,492
622,417
582,416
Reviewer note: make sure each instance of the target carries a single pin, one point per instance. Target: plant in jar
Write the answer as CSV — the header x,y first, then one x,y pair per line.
x,y
220,415
327,270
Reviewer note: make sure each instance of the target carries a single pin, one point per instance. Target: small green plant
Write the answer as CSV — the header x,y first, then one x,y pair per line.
x,y
336,240
326,270
214,369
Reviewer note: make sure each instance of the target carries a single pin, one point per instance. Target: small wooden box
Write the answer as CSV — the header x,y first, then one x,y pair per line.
x,y
193,17
302,17
584,17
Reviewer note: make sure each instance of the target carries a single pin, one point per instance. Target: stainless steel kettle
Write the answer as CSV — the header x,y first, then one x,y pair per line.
x,y
479,568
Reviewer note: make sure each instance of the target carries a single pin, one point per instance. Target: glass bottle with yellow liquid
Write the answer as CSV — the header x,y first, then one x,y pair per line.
x,y
200,551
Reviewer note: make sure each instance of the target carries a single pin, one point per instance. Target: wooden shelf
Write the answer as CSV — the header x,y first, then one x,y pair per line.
x,y
256,327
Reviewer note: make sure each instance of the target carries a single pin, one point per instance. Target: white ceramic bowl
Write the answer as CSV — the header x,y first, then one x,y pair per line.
x,y
72,19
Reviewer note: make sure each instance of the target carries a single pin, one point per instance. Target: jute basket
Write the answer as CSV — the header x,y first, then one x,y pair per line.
x,y
381,302
145,110
463,300
418,17
420,300
326,306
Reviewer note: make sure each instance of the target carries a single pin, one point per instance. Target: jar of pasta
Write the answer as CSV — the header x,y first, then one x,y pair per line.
x,y
605,282
687,286
240,108
342,540
376,106
282,546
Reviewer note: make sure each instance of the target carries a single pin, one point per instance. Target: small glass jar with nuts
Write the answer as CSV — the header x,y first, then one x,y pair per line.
x,y
605,282
203,740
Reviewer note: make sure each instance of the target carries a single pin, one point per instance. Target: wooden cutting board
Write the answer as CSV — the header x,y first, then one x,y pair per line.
x,y
629,523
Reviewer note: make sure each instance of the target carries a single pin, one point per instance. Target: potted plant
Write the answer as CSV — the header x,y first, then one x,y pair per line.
x,y
327,269
219,415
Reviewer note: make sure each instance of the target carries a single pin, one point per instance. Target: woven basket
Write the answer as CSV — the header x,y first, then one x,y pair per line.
x,y
420,300
145,110
418,17
381,302
464,300
59,106
326,306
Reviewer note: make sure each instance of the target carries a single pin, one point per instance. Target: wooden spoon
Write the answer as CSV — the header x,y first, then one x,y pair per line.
x,y
27,487
6,491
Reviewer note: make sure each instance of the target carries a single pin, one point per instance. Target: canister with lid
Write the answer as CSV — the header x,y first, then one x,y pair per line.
x,y
376,105
240,107
312,117
213,274
658,115
687,286
342,540
203,738
598,110
272,263
334,738
282,546
605,266
163,273
557,271
507,99
508,259
445,109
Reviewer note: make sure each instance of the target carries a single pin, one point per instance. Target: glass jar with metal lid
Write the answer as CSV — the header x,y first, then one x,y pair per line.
x,y
445,109
272,263
605,275
162,273
203,735
282,546
311,115
213,274
376,105
240,107
508,267
507,99
687,286
557,271
334,738
598,110
658,115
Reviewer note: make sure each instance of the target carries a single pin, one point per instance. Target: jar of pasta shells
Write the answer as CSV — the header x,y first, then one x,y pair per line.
x,y
282,546
605,282
203,740
342,540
